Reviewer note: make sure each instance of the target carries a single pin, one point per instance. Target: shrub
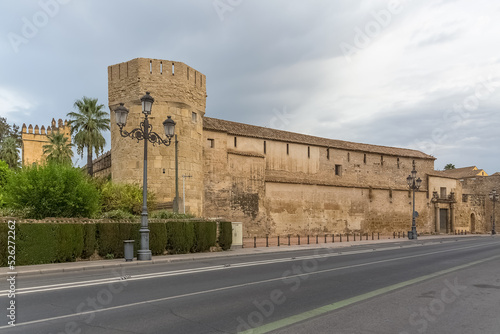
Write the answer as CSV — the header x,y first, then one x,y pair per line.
x,y
52,190
157,238
4,174
205,234
125,197
89,240
70,242
4,228
36,244
225,235
180,237
110,237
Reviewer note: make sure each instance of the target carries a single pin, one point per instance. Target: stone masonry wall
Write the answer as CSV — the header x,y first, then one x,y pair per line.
x,y
275,189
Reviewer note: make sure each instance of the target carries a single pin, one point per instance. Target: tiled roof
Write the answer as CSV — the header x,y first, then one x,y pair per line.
x,y
463,172
246,130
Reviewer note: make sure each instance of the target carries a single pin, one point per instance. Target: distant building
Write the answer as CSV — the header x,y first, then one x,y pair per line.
x,y
33,140
465,172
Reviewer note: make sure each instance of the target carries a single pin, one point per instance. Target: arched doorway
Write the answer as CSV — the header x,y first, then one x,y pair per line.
x,y
472,223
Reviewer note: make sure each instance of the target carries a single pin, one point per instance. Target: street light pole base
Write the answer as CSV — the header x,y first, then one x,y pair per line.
x,y
144,255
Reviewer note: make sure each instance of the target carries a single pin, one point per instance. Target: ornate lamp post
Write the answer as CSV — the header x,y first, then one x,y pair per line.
x,y
144,132
494,198
414,184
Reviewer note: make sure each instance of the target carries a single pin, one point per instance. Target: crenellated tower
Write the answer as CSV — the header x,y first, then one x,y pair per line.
x,y
179,91
33,140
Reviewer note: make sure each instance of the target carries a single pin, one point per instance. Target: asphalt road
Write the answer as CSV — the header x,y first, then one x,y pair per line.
x,y
451,286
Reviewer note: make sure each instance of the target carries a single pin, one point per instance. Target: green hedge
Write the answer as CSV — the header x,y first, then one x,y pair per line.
x,y
3,244
205,236
38,243
110,238
225,235
180,237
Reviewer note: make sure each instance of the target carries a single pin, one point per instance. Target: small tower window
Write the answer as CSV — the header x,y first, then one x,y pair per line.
x,y
364,158
348,157
398,162
194,117
338,170
210,143
235,142
381,160
308,151
287,149
328,154
265,151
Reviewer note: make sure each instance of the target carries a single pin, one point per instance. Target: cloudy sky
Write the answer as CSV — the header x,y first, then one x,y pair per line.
x,y
415,74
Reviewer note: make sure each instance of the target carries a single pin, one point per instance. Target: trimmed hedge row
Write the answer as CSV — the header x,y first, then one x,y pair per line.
x,y
225,235
38,243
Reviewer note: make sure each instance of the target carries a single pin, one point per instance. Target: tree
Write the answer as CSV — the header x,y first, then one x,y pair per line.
x,y
58,149
9,152
449,166
87,125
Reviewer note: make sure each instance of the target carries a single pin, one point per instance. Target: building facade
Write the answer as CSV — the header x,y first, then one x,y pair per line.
x,y
278,182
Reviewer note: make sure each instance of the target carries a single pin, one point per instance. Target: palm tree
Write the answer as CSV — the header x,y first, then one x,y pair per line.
x,y
10,152
87,125
59,149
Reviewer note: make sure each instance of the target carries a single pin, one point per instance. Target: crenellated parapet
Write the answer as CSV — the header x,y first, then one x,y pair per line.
x,y
34,138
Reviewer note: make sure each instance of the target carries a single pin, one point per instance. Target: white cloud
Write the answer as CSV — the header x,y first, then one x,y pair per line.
x,y
13,104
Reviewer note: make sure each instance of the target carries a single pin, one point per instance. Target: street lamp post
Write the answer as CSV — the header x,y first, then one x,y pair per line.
x,y
494,198
414,184
144,132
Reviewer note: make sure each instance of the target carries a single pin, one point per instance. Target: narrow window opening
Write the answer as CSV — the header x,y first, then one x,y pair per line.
x,y
265,151
443,192
308,151
338,170
150,67
287,149
398,163
235,142
364,158
348,157
161,67
328,154
210,143
173,69
381,160
194,117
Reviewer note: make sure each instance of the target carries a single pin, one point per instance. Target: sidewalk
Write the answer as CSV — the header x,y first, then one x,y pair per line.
x,y
101,264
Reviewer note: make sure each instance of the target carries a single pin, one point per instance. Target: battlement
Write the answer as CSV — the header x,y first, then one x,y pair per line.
x,y
61,126
168,69
167,80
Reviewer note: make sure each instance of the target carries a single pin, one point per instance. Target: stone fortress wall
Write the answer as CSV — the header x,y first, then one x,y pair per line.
x,y
277,182
33,140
